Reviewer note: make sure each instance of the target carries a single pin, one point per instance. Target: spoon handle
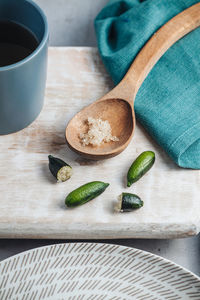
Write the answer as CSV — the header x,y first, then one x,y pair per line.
x,y
158,44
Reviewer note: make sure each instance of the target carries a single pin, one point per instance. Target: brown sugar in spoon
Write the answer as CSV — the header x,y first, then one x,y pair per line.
x,y
117,105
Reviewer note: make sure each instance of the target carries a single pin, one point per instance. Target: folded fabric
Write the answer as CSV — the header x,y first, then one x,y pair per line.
x,y
168,102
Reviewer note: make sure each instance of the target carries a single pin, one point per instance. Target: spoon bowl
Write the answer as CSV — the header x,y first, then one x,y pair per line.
x,y
117,112
117,106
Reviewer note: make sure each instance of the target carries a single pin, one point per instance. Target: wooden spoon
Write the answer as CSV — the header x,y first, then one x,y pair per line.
x,y
117,105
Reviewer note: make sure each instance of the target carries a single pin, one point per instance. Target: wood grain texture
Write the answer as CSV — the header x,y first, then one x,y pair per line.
x,y
117,105
159,43
32,203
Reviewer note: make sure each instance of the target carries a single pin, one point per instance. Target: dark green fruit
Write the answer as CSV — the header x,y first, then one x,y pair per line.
x,y
129,202
85,193
59,169
140,166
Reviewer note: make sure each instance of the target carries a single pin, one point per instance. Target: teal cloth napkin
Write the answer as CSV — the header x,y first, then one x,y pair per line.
x,y
168,102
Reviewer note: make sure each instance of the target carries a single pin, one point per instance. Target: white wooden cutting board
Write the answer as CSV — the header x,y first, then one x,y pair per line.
x,y
32,203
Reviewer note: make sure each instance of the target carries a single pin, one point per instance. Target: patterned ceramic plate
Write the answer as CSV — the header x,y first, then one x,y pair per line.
x,y
80,271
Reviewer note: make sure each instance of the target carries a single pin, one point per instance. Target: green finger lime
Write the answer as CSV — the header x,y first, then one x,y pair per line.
x,y
140,166
128,202
59,168
85,193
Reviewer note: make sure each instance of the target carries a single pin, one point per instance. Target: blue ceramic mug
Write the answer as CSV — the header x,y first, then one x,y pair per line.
x,y
22,84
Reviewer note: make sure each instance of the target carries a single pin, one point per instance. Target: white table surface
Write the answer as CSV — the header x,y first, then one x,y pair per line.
x,y
71,24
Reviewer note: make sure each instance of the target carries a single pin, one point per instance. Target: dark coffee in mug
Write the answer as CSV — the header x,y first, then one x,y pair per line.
x,y
16,42
23,63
